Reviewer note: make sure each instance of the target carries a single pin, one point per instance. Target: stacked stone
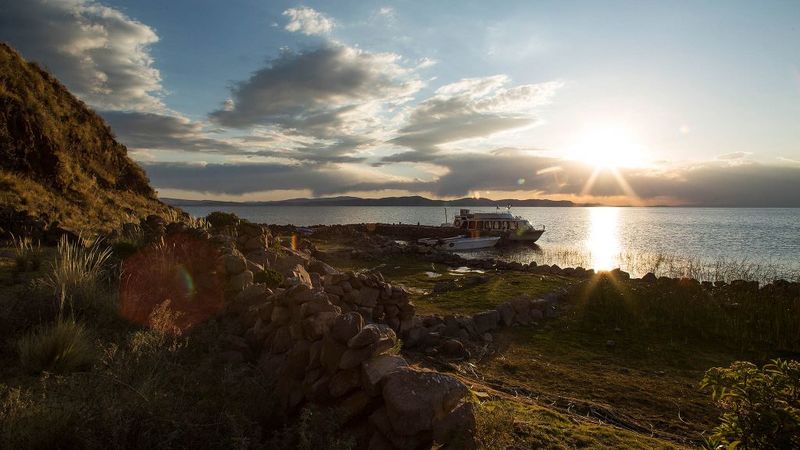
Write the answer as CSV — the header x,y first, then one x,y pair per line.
x,y
316,353
446,335
238,274
372,297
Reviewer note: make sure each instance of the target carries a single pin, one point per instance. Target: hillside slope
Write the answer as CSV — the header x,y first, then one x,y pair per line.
x,y
59,158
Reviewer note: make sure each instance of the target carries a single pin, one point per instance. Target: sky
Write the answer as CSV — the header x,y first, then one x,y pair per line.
x,y
617,102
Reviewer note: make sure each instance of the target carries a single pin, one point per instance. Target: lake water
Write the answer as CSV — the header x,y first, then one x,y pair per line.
x,y
708,243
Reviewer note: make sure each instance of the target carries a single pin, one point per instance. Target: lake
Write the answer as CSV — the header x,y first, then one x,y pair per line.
x,y
707,243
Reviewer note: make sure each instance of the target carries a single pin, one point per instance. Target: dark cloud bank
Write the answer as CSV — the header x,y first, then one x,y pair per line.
x,y
707,185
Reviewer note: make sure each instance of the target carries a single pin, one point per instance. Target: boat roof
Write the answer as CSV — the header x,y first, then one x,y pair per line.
x,y
492,215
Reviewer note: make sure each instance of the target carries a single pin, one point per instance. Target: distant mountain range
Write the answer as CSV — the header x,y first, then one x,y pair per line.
x,y
414,200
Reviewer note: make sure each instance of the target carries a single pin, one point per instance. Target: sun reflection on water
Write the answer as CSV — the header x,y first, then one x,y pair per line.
x,y
603,241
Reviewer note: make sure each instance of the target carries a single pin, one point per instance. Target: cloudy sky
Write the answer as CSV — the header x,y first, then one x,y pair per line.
x,y
634,102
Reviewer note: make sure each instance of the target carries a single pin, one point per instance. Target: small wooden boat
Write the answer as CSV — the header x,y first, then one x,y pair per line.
x,y
458,243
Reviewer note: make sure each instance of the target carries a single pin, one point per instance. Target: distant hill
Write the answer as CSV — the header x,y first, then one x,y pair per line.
x,y
414,200
59,158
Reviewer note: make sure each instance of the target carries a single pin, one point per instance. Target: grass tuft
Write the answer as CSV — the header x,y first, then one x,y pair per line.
x,y
59,348
27,255
77,277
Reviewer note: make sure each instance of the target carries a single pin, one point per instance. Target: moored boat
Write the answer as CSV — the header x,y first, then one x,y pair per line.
x,y
499,223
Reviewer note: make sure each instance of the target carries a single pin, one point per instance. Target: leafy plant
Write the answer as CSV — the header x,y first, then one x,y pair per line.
x,y
760,406
60,348
269,277
220,220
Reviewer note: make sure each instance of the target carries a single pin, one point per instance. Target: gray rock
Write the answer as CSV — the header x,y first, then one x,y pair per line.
x,y
486,321
344,381
506,314
240,281
315,326
376,369
416,399
346,326
453,348
331,353
234,263
371,334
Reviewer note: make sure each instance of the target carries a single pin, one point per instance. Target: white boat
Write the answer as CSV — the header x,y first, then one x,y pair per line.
x,y
499,223
458,243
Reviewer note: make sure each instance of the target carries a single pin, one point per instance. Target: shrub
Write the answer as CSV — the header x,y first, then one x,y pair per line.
x,y
760,407
269,277
218,219
59,348
78,273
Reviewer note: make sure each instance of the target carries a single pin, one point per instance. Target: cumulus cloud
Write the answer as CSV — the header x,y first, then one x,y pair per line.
x,y
145,132
98,52
308,21
469,108
337,95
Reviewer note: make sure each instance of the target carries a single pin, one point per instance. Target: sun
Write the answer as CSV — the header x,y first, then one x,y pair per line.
x,y
607,146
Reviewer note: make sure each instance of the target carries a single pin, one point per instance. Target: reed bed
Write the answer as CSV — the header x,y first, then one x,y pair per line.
x,y
673,266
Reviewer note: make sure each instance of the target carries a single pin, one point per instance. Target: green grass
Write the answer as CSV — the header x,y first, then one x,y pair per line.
x,y
419,278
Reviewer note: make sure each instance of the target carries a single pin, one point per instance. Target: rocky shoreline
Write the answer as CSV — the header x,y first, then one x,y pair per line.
x,y
337,338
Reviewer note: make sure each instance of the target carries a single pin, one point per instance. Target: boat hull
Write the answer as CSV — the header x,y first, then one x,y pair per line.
x,y
455,244
527,236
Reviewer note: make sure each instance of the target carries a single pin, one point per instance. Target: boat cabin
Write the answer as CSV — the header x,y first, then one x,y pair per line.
x,y
497,221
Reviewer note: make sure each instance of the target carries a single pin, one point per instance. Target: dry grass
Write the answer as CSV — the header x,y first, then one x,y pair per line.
x,y
59,348
78,275
27,255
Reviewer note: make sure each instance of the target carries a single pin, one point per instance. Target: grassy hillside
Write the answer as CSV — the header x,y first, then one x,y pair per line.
x,y
58,157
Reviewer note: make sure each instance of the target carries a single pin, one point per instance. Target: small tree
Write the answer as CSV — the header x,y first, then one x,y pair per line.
x,y
760,406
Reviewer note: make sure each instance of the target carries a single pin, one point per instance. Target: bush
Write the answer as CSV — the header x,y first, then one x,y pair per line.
x,y
760,407
269,277
219,220
59,348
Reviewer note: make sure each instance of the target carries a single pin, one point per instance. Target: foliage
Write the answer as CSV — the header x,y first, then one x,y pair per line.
x,y
222,220
269,277
59,348
77,277
760,406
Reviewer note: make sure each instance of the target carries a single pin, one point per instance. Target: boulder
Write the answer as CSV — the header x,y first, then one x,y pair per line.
x,y
331,353
415,400
486,321
234,263
649,277
453,348
507,313
374,370
346,326
344,381
315,326
240,281
371,334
